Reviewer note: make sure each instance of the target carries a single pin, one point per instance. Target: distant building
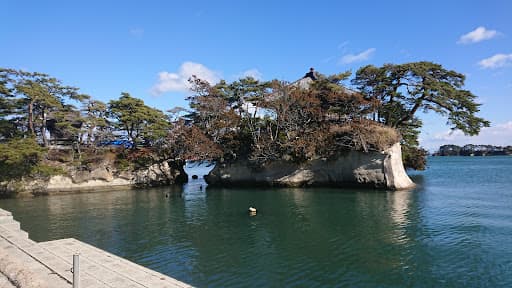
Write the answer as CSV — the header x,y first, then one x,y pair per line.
x,y
311,74
306,81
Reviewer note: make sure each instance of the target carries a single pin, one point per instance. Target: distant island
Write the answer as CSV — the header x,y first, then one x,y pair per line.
x,y
473,150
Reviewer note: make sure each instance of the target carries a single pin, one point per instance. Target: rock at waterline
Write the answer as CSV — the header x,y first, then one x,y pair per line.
x,y
376,169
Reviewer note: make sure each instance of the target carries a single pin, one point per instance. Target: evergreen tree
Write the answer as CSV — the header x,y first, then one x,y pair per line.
x,y
141,124
398,92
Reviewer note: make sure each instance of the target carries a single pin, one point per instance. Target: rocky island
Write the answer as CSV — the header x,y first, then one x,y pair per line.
x,y
354,168
312,132
99,170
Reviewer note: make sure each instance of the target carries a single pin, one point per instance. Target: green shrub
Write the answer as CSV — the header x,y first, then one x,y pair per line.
x,y
19,157
414,157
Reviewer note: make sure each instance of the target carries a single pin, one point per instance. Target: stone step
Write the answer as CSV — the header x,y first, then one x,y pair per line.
x,y
109,268
59,266
8,222
12,225
50,262
90,275
12,228
24,268
5,212
6,219
4,282
15,235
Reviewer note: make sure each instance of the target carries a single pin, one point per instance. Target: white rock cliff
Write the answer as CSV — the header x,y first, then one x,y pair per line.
x,y
354,168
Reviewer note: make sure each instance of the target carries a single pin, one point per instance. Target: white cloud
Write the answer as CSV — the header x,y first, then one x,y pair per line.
x,y
137,32
477,35
178,81
498,135
351,58
496,61
254,73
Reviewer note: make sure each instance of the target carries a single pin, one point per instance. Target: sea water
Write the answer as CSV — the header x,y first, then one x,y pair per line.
x,y
453,230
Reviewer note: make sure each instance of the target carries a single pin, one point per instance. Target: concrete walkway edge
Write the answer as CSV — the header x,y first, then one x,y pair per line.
x,y
25,263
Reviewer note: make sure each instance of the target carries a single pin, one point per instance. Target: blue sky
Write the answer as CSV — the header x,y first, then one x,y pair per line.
x,y
148,48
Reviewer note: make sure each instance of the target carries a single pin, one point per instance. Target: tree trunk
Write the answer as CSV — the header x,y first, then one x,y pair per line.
x,y
90,135
43,130
77,148
31,118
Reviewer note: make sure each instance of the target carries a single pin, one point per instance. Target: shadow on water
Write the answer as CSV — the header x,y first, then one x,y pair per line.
x,y
419,181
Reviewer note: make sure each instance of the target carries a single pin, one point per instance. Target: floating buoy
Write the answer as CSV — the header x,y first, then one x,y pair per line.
x,y
252,211
195,177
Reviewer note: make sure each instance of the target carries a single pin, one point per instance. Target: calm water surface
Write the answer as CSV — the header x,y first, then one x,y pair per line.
x,y
454,230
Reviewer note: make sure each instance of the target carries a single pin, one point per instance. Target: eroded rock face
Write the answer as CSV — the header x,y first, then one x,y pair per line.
x,y
396,177
160,174
100,173
374,169
103,177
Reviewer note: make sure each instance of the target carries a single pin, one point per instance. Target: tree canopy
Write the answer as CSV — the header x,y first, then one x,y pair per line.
x,y
265,121
31,100
399,91
37,110
402,90
141,123
247,119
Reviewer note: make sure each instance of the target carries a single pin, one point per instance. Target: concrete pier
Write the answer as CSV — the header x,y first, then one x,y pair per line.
x,y
25,263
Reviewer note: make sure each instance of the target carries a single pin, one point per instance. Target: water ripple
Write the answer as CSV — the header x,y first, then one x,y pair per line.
x,y
452,231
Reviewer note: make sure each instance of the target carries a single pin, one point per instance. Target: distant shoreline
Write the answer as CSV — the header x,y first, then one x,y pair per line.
x,y
490,155
473,150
